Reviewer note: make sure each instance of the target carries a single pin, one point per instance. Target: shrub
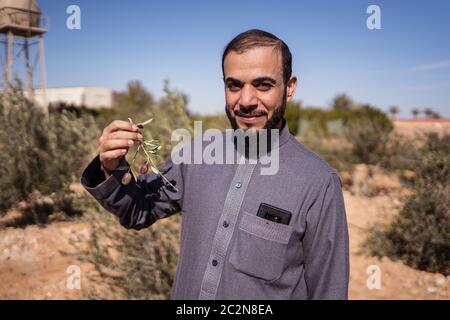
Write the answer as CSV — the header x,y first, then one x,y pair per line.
x,y
215,121
420,235
144,262
292,116
39,152
336,151
330,133
78,111
313,120
368,131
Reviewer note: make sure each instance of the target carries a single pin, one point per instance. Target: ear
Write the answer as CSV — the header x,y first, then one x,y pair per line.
x,y
291,87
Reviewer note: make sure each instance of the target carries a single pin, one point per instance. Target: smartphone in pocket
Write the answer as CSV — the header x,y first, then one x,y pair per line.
x,y
272,213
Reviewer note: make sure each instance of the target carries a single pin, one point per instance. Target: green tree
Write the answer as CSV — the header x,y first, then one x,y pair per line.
x,y
342,102
292,115
135,99
368,131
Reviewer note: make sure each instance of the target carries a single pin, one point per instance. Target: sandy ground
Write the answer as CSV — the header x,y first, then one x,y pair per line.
x,y
33,267
412,127
398,281
38,263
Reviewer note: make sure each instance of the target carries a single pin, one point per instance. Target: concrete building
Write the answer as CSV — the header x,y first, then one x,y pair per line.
x,y
91,97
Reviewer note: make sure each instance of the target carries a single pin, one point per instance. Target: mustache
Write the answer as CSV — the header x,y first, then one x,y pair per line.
x,y
241,113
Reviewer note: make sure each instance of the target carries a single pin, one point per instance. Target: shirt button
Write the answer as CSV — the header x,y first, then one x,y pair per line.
x,y
238,185
226,224
214,262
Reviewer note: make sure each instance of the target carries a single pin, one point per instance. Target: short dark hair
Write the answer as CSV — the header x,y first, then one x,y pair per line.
x,y
258,38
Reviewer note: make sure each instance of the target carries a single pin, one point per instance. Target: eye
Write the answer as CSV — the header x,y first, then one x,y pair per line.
x,y
233,87
264,86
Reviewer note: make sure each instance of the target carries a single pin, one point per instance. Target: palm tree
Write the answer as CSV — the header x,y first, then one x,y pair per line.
x,y
428,112
415,112
393,110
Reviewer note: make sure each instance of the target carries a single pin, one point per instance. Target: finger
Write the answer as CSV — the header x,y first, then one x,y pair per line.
x,y
120,125
113,154
113,144
124,135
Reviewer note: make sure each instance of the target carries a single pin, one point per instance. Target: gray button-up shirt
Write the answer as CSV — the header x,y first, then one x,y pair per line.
x,y
227,251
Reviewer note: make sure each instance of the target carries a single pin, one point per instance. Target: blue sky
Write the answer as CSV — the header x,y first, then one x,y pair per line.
x,y
406,63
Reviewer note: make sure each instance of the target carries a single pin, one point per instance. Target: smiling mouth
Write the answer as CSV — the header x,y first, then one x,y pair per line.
x,y
249,118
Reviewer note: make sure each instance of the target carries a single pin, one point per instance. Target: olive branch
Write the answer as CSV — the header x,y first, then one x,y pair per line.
x,y
148,148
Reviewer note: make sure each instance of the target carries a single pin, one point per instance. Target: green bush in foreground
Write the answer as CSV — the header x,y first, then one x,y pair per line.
x,y
38,152
420,234
142,264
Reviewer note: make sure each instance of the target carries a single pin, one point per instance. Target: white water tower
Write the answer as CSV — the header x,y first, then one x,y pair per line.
x,y
21,30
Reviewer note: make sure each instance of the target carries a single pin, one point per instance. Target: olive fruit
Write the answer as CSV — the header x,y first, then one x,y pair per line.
x,y
126,179
144,169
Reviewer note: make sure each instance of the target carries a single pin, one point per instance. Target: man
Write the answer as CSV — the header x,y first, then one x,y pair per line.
x,y
298,249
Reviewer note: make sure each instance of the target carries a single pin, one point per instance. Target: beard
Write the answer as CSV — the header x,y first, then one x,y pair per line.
x,y
275,122
272,123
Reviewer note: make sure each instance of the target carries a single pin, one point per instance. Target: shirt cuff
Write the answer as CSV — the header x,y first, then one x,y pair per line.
x,y
93,178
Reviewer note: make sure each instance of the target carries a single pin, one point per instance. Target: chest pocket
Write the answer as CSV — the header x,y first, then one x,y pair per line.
x,y
260,247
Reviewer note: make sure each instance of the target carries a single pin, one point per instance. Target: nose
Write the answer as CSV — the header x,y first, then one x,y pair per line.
x,y
248,98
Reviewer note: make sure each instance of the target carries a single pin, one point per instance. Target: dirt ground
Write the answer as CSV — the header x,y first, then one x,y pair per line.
x,y
35,263
398,281
32,265
412,127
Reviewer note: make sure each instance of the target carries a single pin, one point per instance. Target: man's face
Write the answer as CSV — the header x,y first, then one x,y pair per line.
x,y
254,90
